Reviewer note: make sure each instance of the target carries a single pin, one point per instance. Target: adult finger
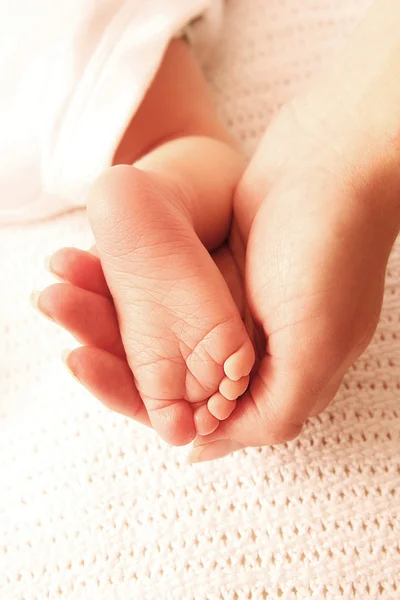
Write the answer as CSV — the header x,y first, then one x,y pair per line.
x,y
79,268
109,379
90,318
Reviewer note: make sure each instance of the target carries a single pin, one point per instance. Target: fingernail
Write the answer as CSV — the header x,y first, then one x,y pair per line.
x,y
64,356
47,263
34,300
48,267
212,451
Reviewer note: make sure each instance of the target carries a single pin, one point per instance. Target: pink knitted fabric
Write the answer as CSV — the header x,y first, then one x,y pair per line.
x,y
93,506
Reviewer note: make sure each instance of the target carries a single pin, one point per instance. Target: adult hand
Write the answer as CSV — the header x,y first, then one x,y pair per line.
x,y
317,247
318,231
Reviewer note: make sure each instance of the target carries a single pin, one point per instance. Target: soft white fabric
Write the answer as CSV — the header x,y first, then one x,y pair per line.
x,y
73,73
94,507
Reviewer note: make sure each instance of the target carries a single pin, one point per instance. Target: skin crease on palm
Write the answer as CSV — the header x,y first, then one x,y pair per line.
x,y
317,211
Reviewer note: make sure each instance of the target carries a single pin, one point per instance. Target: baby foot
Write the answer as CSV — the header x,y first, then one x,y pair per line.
x,y
83,306
182,332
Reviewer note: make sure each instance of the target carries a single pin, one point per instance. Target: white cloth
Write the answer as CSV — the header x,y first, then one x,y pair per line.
x,y
92,506
73,73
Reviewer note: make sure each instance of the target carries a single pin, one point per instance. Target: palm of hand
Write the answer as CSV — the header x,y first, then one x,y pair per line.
x,y
314,277
307,281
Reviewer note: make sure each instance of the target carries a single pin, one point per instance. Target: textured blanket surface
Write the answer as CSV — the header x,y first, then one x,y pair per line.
x,y
94,507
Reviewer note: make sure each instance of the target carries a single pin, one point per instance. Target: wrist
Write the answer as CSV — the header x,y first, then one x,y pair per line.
x,y
358,110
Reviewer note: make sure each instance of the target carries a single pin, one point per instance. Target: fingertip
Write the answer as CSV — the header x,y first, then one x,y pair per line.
x,y
79,268
47,263
34,298
57,264
65,357
109,379
36,301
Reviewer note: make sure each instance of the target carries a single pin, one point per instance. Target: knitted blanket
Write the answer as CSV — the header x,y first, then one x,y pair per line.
x,y
94,507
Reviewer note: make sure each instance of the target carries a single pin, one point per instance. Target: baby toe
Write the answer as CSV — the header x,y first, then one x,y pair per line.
x,y
240,363
220,407
233,389
204,421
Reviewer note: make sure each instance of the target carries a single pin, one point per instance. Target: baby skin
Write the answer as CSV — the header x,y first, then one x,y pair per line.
x,y
155,224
